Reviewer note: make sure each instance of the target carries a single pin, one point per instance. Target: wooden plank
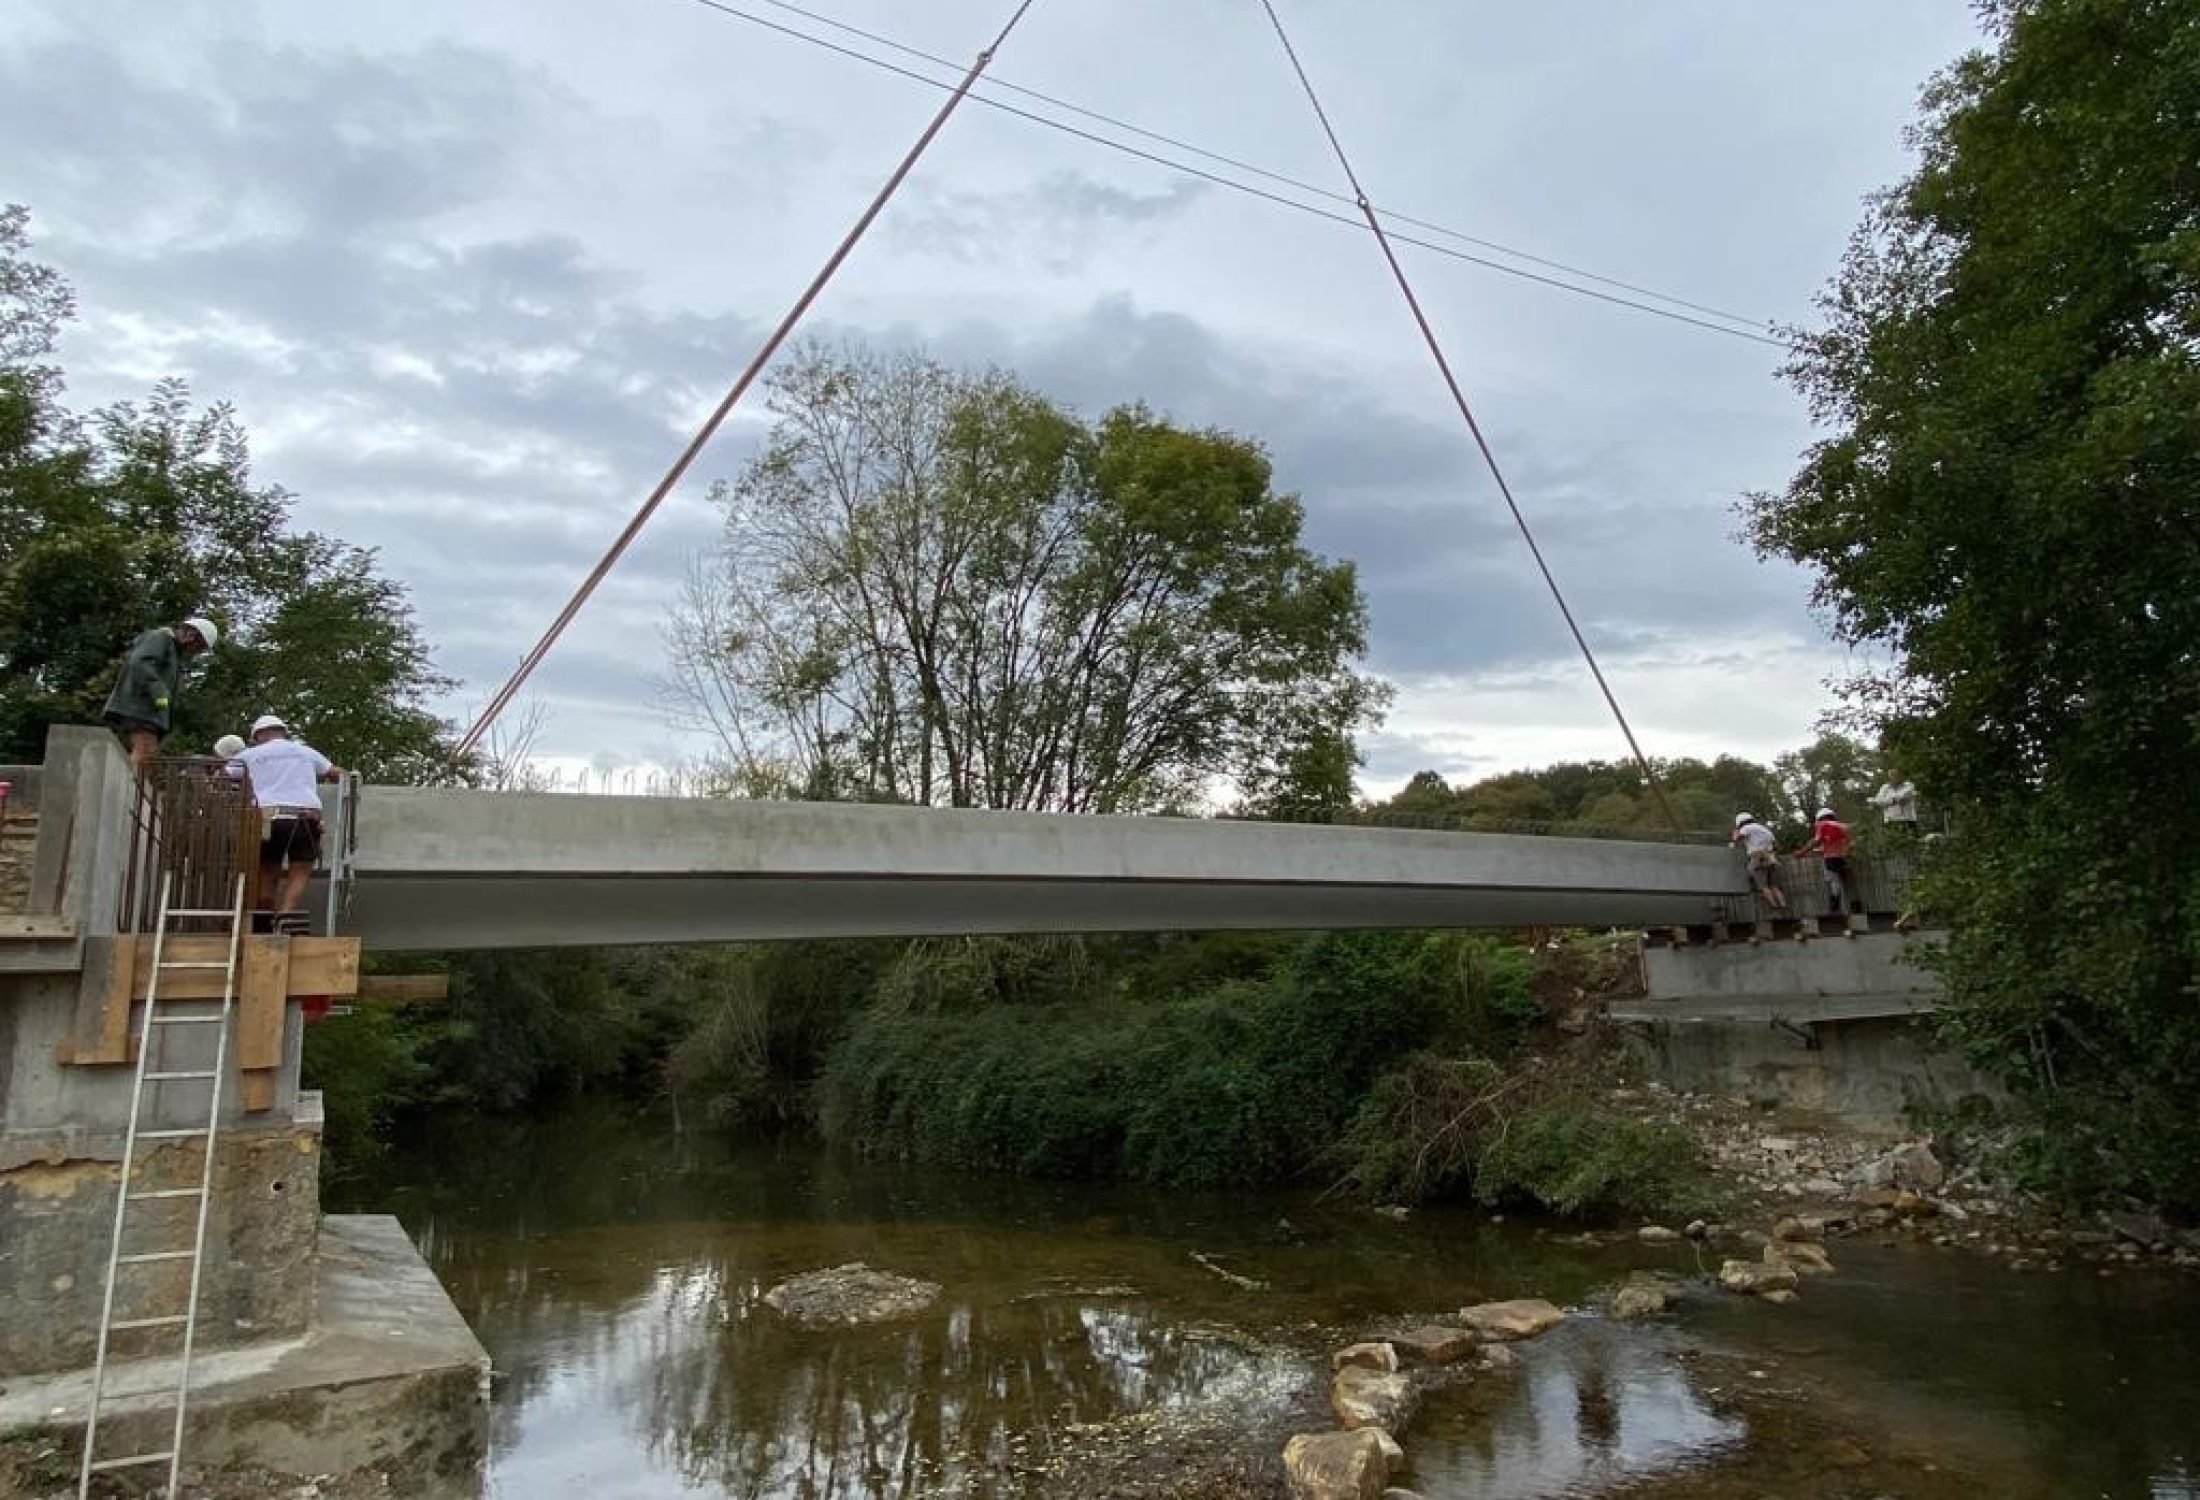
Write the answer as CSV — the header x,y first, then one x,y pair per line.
x,y
317,966
263,991
256,1090
404,989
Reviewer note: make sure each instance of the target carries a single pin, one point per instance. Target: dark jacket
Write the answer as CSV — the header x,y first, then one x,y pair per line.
x,y
150,676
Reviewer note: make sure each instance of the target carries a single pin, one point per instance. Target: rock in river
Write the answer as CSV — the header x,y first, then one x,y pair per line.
x,y
850,1294
1336,1465
1374,1355
1755,1278
1641,1296
1433,1344
1361,1397
1522,1318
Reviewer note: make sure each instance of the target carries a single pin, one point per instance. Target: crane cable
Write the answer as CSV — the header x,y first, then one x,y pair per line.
x,y
733,395
1459,398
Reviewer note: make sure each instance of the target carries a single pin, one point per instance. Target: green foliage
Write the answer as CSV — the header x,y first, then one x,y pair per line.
x,y
150,512
940,588
370,1068
1577,1157
1609,795
2010,376
1245,1082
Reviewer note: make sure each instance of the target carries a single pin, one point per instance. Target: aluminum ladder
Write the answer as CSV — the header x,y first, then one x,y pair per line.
x,y
160,1017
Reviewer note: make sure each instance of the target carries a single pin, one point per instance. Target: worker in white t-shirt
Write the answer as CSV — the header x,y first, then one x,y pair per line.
x,y
1762,851
286,775
1897,802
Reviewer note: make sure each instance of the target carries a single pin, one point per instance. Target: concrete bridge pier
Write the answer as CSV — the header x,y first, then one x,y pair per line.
x,y
321,1341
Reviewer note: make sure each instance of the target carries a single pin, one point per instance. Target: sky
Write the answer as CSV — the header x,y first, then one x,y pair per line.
x,y
471,275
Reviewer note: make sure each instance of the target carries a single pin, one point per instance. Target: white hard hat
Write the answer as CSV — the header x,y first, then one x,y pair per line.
x,y
206,630
1825,812
267,721
1741,818
228,745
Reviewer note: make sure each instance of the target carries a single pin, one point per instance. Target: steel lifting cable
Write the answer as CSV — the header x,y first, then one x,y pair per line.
x,y
740,386
1459,398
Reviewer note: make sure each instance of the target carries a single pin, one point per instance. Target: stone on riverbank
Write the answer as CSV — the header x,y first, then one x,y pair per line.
x,y
1754,1278
1657,1234
1361,1397
848,1295
1434,1344
1373,1355
1336,1465
1521,1318
1912,1166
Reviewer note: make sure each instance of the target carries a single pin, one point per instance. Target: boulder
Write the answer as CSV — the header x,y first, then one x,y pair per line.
x,y
1521,1318
1368,1356
1361,1397
1911,1165
1395,1493
1336,1465
1640,1297
1434,1344
1499,1358
1754,1278
1791,1229
1394,1456
1800,1256
2143,1230
1698,1229
1780,1296
1657,1234
848,1295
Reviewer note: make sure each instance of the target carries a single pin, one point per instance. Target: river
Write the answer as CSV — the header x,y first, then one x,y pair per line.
x,y
614,1269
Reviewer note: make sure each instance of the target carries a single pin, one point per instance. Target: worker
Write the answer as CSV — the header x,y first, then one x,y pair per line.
x,y
145,691
227,746
1897,802
285,773
1761,850
1829,840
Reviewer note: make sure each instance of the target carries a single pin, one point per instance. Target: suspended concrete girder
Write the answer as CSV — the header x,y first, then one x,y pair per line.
x,y
441,869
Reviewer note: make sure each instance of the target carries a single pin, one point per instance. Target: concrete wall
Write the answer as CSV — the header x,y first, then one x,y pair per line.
x,y
1871,1075
57,1218
1861,964
444,869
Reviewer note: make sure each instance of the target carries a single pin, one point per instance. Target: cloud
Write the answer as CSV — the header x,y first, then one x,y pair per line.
x,y
471,284
1059,223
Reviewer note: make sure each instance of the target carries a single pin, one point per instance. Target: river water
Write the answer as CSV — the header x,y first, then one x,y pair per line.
x,y
1088,1342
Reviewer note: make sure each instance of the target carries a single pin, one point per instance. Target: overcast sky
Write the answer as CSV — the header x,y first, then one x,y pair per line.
x,y
471,273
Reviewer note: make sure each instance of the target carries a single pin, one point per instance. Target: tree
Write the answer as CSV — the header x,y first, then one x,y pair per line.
x,y
941,588
147,513
2007,501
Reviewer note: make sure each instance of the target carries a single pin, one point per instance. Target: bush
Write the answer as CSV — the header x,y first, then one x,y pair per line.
x,y
1247,1082
1574,1157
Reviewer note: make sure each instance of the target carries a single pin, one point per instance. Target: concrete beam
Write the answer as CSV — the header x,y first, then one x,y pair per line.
x,y
454,869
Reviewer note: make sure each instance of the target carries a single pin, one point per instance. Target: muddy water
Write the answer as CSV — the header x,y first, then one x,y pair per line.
x,y
1087,1342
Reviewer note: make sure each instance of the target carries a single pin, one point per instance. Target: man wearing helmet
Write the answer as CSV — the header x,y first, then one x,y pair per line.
x,y
1829,840
285,774
138,708
1762,851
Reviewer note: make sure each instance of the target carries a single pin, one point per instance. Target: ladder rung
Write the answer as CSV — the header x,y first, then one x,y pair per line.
x,y
194,963
200,911
187,1020
153,1255
136,1458
170,1321
167,1193
180,1077
170,1135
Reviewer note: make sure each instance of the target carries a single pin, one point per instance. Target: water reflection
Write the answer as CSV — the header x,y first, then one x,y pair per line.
x,y
1597,1405
615,1274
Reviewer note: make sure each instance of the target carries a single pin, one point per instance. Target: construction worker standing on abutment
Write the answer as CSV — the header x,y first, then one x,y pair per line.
x,y
152,674
285,774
